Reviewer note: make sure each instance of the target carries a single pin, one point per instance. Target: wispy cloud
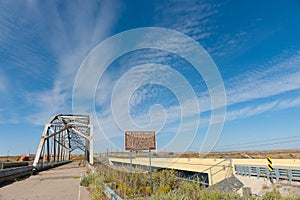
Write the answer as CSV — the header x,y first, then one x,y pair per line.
x,y
256,92
249,94
288,103
47,45
271,81
124,96
248,111
3,82
192,18
201,21
253,109
72,33
279,78
48,103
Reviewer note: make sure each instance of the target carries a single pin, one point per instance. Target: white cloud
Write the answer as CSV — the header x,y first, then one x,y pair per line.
x,y
249,111
122,94
48,103
79,39
75,31
259,108
289,103
189,17
280,78
247,88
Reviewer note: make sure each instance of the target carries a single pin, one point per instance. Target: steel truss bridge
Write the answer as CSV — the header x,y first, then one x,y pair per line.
x,y
61,136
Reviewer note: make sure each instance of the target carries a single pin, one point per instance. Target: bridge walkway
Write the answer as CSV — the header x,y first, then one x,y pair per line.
x,y
58,183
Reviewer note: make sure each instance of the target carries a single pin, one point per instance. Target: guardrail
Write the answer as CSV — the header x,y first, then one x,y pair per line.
x,y
5,165
283,173
110,193
14,173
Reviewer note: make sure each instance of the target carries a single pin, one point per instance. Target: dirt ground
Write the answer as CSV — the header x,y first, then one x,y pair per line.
x,y
260,186
9,158
275,154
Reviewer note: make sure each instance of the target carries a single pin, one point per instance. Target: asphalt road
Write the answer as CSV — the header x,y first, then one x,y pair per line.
x,y
59,183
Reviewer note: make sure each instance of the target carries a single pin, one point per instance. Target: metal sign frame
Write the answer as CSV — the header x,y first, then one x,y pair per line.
x,y
140,140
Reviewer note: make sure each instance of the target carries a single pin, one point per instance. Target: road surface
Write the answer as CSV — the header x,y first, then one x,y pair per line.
x,y
58,183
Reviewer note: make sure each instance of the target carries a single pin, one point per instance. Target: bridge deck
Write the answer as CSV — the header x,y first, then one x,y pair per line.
x,y
59,183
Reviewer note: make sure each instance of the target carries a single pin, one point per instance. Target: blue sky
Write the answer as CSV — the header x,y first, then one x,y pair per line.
x,y
254,44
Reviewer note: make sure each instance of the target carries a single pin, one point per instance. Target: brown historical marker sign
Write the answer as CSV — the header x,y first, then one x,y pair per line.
x,y
140,140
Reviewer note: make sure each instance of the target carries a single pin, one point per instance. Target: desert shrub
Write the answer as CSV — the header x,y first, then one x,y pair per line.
x,y
166,185
86,181
275,195
218,195
97,187
95,183
203,195
272,195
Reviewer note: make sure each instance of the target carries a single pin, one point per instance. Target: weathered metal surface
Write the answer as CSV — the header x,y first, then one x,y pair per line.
x,y
14,173
5,165
110,193
62,135
140,140
10,174
285,173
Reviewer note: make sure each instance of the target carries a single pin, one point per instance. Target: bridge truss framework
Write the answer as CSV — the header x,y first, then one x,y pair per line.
x,y
61,136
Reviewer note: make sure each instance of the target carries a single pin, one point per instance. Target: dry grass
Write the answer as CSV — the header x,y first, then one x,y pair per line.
x,y
264,187
77,157
166,185
275,154
9,158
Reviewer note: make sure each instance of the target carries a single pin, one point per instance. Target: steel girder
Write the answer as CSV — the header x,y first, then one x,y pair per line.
x,y
62,135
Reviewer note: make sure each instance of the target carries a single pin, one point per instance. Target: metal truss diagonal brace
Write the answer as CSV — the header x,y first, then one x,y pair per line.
x,y
62,135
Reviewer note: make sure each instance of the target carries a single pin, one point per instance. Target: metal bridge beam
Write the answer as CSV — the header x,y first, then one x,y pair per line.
x,y
61,136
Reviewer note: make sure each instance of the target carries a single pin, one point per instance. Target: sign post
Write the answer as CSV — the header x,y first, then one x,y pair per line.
x,y
270,167
141,140
130,168
150,170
